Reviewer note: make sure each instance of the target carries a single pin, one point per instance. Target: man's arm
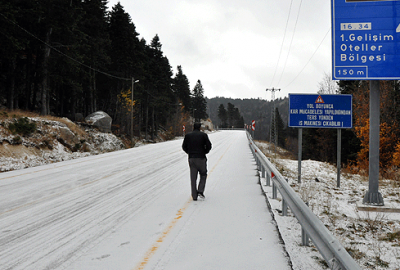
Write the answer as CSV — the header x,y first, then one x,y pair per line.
x,y
207,144
185,145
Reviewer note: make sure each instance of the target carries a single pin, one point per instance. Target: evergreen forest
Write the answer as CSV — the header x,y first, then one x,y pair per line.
x,y
69,58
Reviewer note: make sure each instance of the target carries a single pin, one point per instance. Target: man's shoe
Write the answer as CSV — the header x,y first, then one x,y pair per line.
x,y
201,195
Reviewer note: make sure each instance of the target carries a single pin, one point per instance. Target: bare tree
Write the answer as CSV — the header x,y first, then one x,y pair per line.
x,y
327,85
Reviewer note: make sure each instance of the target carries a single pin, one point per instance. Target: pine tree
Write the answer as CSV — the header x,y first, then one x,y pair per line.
x,y
223,116
13,40
182,89
162,96
69,41
124,46
95,26
280,128
199,102
124,41
231,115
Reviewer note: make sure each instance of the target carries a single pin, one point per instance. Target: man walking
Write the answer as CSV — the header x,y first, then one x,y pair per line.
x,y
196,144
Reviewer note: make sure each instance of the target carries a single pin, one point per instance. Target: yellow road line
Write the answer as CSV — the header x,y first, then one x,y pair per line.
x,y
178,216
156,245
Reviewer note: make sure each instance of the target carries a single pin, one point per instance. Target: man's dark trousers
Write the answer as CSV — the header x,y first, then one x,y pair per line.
x,y
198,165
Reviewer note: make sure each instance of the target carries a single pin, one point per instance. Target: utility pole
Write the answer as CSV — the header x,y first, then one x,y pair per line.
x,y
273,134
133,82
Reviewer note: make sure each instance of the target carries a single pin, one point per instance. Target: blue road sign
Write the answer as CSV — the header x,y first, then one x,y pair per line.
x,y
320,111
365,39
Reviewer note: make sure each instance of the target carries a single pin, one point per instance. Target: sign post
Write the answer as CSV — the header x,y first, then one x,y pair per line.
x,y
320,111
373,196
299,154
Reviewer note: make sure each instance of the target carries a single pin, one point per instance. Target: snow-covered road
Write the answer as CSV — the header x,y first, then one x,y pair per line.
x,y
132,209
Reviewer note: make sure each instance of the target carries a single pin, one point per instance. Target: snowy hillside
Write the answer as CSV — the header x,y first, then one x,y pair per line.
x,y
50,140
372,238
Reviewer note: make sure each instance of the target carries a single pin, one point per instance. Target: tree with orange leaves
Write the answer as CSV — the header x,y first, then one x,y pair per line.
x,y
389,148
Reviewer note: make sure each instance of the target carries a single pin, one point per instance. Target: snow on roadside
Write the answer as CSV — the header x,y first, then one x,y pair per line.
x,y
59,153
53,141
372,238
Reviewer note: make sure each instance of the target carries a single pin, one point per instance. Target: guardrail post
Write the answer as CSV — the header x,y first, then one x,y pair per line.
x,y
305,240
284,205
268,179
274,191
262,172
284,208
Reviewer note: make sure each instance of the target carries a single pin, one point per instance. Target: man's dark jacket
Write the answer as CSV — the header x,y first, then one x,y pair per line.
x,y
196,144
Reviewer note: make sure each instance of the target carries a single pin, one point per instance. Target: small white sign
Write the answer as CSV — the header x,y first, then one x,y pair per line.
x,y
355,26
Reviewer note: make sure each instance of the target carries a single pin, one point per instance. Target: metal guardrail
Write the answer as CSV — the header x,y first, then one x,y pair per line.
x,y
229,128
331,250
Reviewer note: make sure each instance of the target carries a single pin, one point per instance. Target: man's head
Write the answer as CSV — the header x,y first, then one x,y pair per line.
x,y
197,126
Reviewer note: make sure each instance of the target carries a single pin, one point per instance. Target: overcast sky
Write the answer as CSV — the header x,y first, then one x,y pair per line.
x,y
239,48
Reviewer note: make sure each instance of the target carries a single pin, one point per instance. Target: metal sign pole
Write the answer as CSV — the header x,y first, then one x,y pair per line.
x,y
300,146
339,155
373,196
